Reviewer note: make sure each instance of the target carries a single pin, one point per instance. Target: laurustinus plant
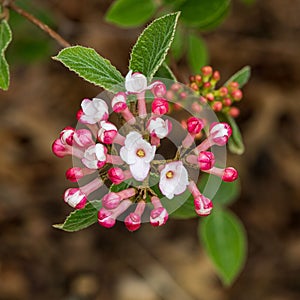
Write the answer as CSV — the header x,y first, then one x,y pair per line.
x,y
149,148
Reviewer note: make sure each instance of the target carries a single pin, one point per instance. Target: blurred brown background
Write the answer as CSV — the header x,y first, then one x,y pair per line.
x,y
39,262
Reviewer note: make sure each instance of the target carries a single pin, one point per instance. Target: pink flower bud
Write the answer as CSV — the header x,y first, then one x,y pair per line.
x,y
217,106
159,89
207,70
75,198
220,133
237,95
116,175
66,135
175,87
133,220
106,218
233,85
74,174
234,112
210,97
194,125
111,200
183,95
61,150
83,138
206,85
160,106
216,76
158,216
107,132
203,205
227,101
230,174
223,91
206,160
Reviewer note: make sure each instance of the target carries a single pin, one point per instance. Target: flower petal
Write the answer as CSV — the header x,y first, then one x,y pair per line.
x,y
139,169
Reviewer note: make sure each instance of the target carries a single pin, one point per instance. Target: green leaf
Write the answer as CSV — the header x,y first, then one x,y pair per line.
x,y
186,210
81,218
235,142
227,192
241,77
5,39
151,48
119,187
165,72
130,13
224,240
199,14
197,53
92,67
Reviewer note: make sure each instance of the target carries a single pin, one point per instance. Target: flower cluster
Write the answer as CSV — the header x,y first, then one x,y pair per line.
x,y
204,85
112,155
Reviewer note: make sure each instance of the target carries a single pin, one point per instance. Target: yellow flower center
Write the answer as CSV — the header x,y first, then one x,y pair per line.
x,y
140,153
170,174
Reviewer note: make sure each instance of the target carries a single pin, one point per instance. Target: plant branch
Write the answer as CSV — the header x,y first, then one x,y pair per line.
x,y
37,22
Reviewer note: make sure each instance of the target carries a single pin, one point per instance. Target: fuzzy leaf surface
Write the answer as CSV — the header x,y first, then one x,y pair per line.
x,y
81,218
91,66
151,48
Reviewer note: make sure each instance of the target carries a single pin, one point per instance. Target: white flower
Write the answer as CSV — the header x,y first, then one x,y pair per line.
x,y
93,111
94,156
135,83
138,154
159,127
173,179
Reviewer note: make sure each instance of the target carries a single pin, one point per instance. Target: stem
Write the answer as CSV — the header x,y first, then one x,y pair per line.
x,y
9,4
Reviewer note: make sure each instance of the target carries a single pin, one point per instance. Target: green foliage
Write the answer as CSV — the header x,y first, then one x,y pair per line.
x,y
92,67
241,77
178,45
151,48
224,240
165,72
235,142
200,14
186,209
81,218
5,39
197,53
130,13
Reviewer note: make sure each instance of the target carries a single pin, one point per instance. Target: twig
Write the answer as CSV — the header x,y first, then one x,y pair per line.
x,y
37,22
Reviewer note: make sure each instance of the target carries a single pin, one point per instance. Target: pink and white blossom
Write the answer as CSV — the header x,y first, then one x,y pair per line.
x,y
95,156
194,127
66,135
138,154
159,89
173,179
108,134
93,111
220,133
135,82
119,105
75,198
158,129
206,160
159,214
83,138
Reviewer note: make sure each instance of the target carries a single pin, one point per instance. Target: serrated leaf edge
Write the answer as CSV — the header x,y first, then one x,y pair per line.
x,y
150,76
